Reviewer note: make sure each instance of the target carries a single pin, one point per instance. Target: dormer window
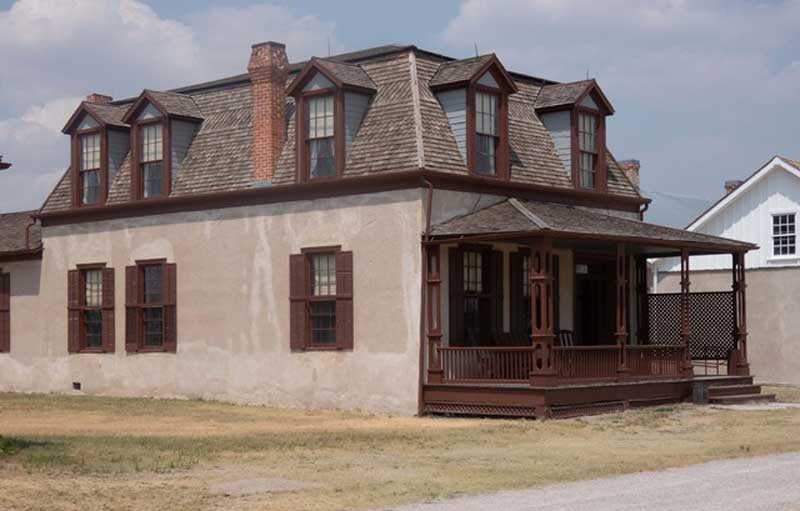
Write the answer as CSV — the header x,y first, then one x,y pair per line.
x,y
152,159
90,168
99,142
320,143
474,96
575,115
487,133
332,99
588,149
163,125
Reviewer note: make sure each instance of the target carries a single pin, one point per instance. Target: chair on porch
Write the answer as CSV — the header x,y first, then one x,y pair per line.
x,y
565,338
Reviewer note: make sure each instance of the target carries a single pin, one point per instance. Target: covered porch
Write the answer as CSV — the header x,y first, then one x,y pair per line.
x,y
543,309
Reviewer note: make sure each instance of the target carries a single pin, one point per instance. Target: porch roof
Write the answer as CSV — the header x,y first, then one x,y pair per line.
x,y
516,218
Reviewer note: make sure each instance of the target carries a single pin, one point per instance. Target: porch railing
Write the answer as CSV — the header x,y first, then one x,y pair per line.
x,y
586,362
511,364
652,360
496,364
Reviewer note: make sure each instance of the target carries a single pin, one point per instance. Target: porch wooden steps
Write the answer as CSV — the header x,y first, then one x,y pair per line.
x,y
736,390
733,390
741,398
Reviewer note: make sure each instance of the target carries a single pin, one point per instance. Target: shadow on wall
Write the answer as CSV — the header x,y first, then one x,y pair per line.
x,y
26,278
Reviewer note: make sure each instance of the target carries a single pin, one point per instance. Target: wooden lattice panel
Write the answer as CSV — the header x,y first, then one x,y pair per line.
x,y
480,410
712,317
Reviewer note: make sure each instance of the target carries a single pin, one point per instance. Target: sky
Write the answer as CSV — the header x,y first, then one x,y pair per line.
x,y
704,91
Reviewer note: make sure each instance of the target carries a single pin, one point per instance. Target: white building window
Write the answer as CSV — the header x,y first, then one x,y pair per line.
x,y
783,235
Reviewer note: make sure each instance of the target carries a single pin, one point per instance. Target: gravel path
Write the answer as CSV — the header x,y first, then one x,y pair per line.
x,y
769,483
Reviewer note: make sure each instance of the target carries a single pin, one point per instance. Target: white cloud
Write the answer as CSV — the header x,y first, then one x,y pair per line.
x,y
55,52
676,70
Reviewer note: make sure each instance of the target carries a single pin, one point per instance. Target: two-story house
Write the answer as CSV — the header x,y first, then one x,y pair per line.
x,y
389,230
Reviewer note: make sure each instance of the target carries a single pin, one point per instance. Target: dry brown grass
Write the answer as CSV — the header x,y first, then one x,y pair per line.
x,y
65,453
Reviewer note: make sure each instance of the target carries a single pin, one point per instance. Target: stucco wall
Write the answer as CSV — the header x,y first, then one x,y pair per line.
x,y
233,306
773,322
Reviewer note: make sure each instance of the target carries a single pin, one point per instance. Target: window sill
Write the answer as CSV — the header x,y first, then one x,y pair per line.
x,y
154,350
783,259
322,348
95,351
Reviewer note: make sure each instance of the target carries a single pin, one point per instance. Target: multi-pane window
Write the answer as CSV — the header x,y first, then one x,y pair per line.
x,y
92,327
90,168
473,272
152,305
151,319
322,306
151,159
320,139
526,276
487,132
587,150
783,235
476,297
321,299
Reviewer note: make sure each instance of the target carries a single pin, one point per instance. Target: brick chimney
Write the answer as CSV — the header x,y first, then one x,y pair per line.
x,y
631,169
101,99
732,185
268,69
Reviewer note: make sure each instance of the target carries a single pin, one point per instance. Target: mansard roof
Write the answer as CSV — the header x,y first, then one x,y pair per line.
x,y
14,232
404,129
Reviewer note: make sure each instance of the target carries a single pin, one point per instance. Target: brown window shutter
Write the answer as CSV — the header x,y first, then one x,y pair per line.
x,y
5,312
73,311
456,298
298,320
496,279
516,281
344,300
132,310
170,308
108,310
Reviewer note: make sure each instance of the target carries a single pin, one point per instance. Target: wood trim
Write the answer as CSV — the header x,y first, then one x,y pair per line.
x,y
398,180
137,179
302,159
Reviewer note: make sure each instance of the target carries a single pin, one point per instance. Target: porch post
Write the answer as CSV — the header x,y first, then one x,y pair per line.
x,y
622,308
434,313
642,306
542,330
686,319
737,362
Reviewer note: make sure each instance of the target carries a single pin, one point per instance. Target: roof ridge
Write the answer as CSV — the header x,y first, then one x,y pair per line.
x,y
530,215
415,100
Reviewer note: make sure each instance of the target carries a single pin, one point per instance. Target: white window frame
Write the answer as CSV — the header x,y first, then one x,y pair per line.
x,y
783,257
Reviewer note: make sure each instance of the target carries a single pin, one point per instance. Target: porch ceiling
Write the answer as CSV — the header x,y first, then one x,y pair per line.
x,y
520,219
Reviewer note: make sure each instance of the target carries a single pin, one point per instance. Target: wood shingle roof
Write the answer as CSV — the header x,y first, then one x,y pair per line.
x,y
405,128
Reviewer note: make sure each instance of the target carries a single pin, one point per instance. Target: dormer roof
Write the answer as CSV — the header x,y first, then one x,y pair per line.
x,y
104,114
566,95
405,128
341,74
466,71
168,103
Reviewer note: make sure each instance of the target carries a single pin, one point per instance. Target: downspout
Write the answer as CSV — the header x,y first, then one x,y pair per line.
x,y
28,233
423,287
643,211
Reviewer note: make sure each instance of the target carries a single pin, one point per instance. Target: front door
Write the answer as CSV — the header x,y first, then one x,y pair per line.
x,y
595,304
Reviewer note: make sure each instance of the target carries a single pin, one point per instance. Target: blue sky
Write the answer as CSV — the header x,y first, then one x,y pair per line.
x,y
704,90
